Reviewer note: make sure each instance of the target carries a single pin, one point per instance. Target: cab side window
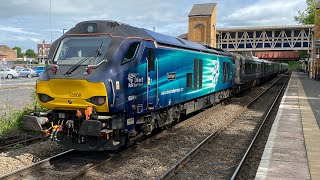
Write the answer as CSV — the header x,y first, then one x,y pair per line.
x,y
131,53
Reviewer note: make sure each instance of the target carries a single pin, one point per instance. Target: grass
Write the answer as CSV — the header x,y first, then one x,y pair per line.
x,y
12,122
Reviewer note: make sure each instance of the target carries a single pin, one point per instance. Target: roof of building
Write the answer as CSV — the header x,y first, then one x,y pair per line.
x,y
184,36
1,53
202,9
265,27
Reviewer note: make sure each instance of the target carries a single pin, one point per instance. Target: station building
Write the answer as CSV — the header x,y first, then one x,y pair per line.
x,y
315,64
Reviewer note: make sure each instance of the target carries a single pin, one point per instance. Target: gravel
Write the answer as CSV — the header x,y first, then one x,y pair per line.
x,y
251,165
19,158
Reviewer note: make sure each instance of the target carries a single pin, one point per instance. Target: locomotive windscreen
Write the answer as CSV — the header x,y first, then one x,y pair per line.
x,y
89,50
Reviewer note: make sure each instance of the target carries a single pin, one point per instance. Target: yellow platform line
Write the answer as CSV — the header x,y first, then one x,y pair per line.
x,y
311,133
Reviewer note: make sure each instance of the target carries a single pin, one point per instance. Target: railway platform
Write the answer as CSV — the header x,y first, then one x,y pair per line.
x,y
293,147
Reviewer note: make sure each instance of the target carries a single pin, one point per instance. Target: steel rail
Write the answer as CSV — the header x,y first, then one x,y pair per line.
x,y
82,174
20,141
34,167
236,172
169,173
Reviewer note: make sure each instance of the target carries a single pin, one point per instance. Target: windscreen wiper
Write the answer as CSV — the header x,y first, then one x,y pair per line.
x,y
96,53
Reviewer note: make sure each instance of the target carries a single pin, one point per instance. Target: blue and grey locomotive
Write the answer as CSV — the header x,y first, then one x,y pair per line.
x,y
108,83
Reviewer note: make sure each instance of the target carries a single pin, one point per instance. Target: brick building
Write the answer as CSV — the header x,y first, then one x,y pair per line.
x,y
7,53
202,24
43,51
315,65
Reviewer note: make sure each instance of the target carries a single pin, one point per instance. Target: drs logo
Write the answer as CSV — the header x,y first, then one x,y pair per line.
x,y
75,95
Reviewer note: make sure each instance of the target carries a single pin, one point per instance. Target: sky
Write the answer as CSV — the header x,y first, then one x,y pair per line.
x,y
25,23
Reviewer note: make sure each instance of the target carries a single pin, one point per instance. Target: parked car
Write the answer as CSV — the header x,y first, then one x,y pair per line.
x,y
8,73
27,72
18,68
40,69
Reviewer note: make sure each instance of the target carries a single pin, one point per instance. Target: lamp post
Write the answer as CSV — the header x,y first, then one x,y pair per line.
x,y
50,24
16,53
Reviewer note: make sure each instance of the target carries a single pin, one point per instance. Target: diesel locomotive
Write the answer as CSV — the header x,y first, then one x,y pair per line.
x,y
108,83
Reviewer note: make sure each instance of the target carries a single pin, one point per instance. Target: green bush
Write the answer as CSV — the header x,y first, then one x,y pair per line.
x,y
292,65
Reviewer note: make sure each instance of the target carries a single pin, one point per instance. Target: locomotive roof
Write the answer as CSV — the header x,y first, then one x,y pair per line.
x,y
113,27
178,42
120,29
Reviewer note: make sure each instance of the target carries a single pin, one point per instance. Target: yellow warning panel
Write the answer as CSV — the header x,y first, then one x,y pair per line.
x,y
117,85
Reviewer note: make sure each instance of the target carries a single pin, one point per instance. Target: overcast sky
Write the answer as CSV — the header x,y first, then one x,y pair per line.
x,y
24,23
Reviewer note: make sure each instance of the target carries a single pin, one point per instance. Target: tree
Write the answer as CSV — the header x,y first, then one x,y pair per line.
x,y
30,54
307,16
19,51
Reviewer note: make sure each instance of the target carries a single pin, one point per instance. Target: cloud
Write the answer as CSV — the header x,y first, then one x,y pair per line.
x,y
23,38
16,30
263,12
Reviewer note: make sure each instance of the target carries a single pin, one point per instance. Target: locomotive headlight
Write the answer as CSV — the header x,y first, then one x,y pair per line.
x,y
54,70
90,28
44,98
101,100
97,100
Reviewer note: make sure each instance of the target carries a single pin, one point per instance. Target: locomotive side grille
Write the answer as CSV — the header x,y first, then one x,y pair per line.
x,y
195,74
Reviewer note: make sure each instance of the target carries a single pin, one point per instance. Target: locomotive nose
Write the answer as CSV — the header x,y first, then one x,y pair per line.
x,y
66,94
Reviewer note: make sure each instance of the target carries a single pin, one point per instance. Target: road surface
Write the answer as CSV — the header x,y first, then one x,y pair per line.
x,y
15,94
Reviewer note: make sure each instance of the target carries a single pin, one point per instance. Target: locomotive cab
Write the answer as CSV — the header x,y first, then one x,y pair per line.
x,y
83,84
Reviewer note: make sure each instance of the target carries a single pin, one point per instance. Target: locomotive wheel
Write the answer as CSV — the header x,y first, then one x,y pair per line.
x,y
93,141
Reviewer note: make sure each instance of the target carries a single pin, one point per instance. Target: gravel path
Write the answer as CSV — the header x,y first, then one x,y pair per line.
x,y
153,157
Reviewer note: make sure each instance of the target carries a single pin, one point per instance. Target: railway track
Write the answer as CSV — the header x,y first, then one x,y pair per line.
x,y
62,166
255,138
217,156
18,140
